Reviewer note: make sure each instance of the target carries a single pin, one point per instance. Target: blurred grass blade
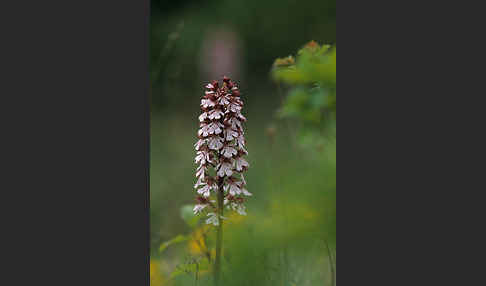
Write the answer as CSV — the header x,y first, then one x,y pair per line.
x,y
178,239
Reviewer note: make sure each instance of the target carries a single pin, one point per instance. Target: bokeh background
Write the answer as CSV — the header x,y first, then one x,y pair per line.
x,y
288,237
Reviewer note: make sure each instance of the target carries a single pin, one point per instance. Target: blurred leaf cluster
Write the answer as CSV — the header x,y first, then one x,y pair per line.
x,y
311,80
198,253
156,275
179,29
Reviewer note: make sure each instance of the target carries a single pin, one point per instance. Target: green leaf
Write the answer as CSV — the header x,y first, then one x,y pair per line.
x,y
188,268
314,64
312,79
318,98
289,75
295,104
176,273
326,71
284,62
178,239
187,214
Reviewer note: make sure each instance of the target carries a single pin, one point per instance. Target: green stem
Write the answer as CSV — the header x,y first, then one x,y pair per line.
x,y
331,264
219,237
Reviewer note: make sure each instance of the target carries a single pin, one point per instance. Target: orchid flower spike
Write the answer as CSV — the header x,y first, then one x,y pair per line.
x,y
220,151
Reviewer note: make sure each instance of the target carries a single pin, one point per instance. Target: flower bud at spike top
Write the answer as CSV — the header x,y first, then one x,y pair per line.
x,y
220,151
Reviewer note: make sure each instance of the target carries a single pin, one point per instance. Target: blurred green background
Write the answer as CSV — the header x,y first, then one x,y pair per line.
x,y
288,237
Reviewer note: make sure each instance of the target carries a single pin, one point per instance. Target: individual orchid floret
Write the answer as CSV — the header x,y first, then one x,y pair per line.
x,y
239,208
207,103
203,116
240,140
213,219
242,177
201,172
245,192
209,86
203,157
202,203
215,143
230,134
225,169
228,151
199,144
236,204
198,208
232,187
234,123
241,164
224,100
205,190
215,114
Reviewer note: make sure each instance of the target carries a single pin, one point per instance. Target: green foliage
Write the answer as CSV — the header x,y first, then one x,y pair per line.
x,y
199,256
192,220
311,78
191,267
290,217
187,214
178,239
306,104
314,65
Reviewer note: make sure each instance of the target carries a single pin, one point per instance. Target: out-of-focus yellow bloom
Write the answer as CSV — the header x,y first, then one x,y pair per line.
x,y
235,218
283,62
197,243
156,278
